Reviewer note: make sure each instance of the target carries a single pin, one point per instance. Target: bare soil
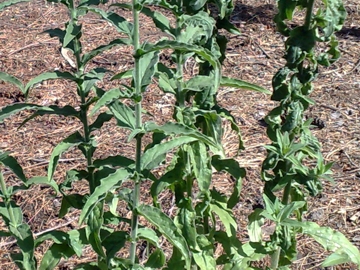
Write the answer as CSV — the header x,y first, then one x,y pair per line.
x,y
253,56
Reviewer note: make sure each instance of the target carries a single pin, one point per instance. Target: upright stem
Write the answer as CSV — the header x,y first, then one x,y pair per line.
x,y
309,12
179,66
7,200
285,200
134,219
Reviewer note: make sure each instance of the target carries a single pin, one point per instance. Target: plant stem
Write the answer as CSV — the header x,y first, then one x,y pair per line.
x,y
285,200
7,199
179,66
309,11
136,195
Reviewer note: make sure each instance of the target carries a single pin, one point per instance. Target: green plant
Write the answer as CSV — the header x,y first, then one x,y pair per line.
x,y
288,166
192,141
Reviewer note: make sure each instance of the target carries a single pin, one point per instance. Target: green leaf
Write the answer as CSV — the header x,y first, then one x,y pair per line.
x,y
185,220
331,240
166,226
75,239
204,258
13,165
120,23
156,260
228,26
91,77
288,210
233,168
49,76
54,254
183,47
43,180
114,161
9,78
10,3
72,31
107,98
113,243
335,259
166,81
108,183
53,109
179,129
9,110
88,56
256,220
100,120
124,115
94,223
239,84
155,155
25,241
76,201
225,216
160,20
71,141
197,83
4,213
147,65
149,235
200,162
123,75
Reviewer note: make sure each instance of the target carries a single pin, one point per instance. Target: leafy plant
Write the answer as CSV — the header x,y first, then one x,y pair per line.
x,y
286,167
189,147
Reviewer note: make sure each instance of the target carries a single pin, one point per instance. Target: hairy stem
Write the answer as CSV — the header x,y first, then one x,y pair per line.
x,y
136,195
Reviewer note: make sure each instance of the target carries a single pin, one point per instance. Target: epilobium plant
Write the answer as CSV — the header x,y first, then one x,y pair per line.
x,y
193,137
286,167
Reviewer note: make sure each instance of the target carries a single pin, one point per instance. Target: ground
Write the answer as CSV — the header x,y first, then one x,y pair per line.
x,y
253,56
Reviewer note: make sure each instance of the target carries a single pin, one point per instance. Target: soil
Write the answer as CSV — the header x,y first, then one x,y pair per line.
x,y
254,56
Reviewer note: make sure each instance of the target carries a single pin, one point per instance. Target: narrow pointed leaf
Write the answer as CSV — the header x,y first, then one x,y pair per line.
x,y
91,77
88,56
124,115
166,226
160,20
11,79
100,121
123,75
13,165
7,111
182,47
149,235
74,139
54,254
156,260
155,155
179,129
49,76
233,168
10,3
120,23
107,183
113,243
239,84
330,239
200,161
25,241
225,216
147,63
53,109
107,98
